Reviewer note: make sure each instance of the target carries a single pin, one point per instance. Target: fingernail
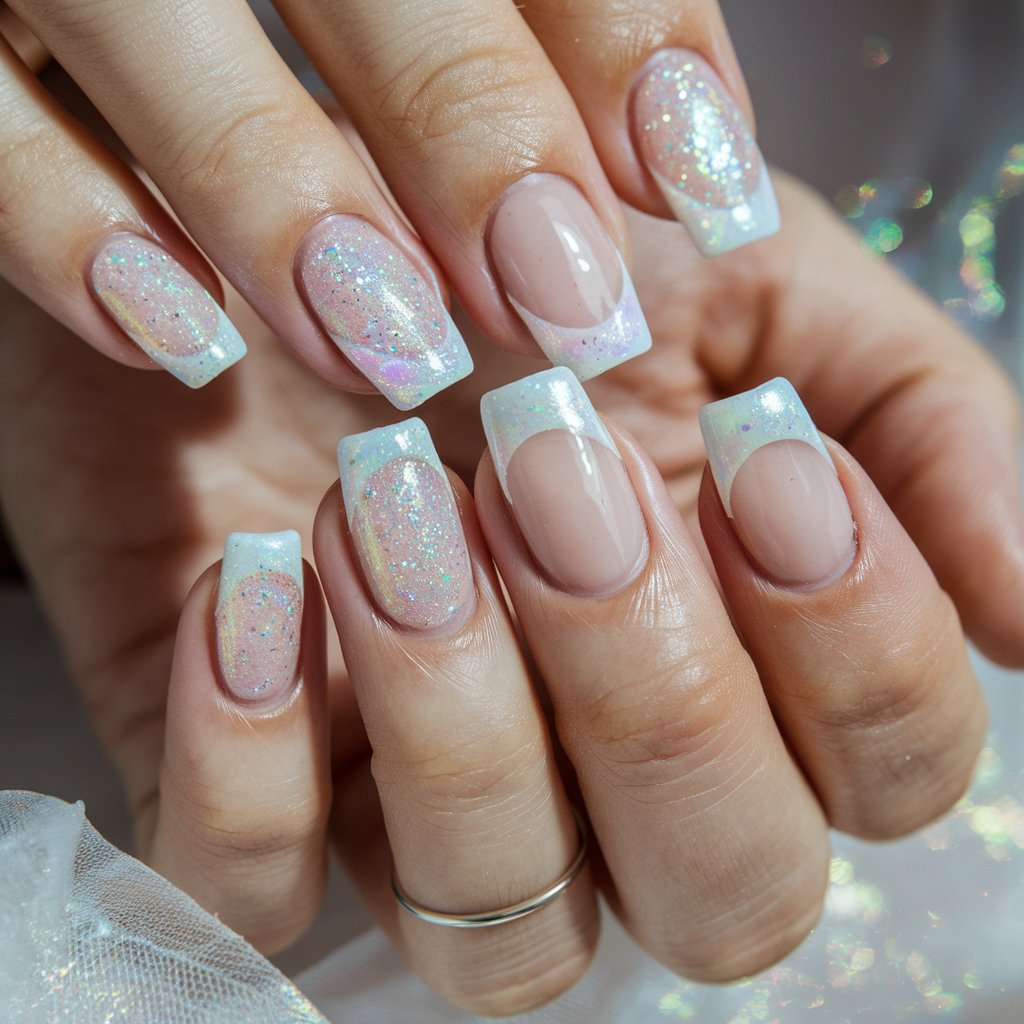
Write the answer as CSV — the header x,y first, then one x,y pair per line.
x,y
565,482
164,309
259,614
405,526
698,148
379,310
564,277
779,486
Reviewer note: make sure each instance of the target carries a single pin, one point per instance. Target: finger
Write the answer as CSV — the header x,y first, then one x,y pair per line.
x,y
475,812
244,785
860,652
484,149
656,702
266,185
25,45
106,259
916,401
661,92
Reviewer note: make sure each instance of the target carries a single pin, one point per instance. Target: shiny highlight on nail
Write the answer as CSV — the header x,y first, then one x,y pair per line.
x,y
164,309
734,428
550,400
379,310
405,526
701,153
259,614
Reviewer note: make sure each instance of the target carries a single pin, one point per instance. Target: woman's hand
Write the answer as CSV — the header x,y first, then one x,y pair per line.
x,y
503,132
709,767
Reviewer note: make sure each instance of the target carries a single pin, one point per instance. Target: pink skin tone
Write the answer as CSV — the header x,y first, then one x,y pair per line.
x,y
577,510
791,514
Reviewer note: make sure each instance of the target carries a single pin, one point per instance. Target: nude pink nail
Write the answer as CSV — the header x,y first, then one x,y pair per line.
x,y
566,484
564,276
779,486
259,614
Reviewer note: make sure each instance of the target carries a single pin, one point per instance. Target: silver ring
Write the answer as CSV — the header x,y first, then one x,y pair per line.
x,y
489,918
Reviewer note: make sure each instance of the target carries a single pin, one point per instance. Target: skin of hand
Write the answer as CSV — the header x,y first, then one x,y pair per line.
x,y
120,489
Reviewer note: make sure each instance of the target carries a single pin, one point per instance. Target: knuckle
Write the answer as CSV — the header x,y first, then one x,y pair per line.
x,y
273,830
460,784
751,934
551,975
681,718
479,95
910,737
249,139
504,976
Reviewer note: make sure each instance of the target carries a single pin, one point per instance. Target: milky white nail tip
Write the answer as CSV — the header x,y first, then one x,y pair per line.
x,y
259,613
589,351
550,400
698,148
164,309
734,428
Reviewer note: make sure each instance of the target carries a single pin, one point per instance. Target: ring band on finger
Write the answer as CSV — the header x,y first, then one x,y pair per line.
x,y
490,918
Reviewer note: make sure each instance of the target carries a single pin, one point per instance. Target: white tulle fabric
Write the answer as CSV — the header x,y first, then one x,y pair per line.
x,y
88,934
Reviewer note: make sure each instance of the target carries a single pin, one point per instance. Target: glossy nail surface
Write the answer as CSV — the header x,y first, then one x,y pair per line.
x,y
564,479
405,526
379,310
700,151
164,309
779,486
565,278
259,614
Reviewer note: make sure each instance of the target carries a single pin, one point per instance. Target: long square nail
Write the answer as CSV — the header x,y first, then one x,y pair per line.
x,y
164,309
564,277
259,614
778,485
565,482
701,153
405,525
380,311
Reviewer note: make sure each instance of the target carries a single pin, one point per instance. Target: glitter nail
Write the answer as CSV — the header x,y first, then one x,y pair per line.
x,y
164,309
404,524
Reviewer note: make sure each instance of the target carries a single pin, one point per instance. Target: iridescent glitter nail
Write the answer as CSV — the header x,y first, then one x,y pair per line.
x,y
380,311
259,614
550,400
701,153
164,309
404,525
736,427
